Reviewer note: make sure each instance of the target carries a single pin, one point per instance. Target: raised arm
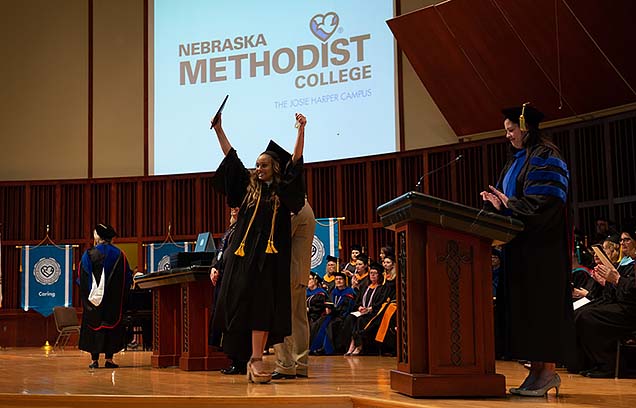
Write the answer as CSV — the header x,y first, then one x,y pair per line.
x,y
300,139
220,134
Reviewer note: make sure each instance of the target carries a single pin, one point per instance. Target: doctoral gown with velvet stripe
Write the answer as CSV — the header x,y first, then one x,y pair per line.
x,y
102,330
535,292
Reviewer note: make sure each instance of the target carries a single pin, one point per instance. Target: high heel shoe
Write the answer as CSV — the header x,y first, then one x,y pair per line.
x,y
555,382
256,376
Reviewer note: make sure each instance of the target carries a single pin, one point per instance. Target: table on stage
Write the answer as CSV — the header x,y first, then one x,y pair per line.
x,y
181,308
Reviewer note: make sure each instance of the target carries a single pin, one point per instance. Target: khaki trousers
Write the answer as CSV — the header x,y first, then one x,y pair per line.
x,y
292,355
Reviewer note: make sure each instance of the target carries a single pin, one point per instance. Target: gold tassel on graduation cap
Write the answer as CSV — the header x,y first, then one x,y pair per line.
x,y
240,251
522,118
270,242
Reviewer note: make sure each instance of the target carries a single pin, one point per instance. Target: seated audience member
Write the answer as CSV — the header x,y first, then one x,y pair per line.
x,y
583,283
600,324
360,279
342,302
350,267
368,303
316,298
328,281
381,327
388,263
384,251
612,248
603,228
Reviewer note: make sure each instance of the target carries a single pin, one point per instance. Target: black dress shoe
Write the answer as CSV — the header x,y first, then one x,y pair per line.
x,y
94,364
234,370
280,376
110,364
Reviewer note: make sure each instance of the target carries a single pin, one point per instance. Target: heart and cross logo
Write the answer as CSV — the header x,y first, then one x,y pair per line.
x,y
324,25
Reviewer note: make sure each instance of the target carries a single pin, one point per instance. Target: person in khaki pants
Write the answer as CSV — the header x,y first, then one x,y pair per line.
x,y
292,355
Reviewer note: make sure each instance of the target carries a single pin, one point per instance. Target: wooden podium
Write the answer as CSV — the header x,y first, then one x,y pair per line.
x,y
445,342
181,301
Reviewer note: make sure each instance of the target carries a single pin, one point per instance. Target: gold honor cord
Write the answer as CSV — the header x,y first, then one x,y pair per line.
x,y
270,242
240,251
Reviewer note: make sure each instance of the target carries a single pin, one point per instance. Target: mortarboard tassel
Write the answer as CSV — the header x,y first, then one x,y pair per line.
x,y
522,118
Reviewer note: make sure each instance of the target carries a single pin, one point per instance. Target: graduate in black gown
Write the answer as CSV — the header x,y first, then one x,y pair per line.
x,y
612,316
240,351
255,297
534,289
105,279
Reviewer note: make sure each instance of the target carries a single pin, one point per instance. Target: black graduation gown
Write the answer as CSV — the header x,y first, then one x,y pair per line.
x,y
535,292
601,323
255,291
370,330
102,330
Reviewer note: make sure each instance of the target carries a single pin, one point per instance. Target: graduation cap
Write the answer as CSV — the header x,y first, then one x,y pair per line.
x,y
526,116
341,274
376,266
364,258
356,247
390,256
277,153
105,231
332,259
316,277
615,238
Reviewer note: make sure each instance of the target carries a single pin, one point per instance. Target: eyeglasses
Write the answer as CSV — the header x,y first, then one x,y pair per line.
x,y
625,240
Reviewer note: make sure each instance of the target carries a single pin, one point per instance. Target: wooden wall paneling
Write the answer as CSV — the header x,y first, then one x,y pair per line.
x,y
183,208
139,215
10,277
622,136
197,216
497,155
154,207
72,218
12,212
350,236
382,237
440,177
355,194
384,187
215,214
590,149
587,219
100,204
469,176
411,169
43,212
326,192
625,211
126,205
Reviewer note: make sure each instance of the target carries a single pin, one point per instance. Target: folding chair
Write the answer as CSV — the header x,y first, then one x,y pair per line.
x,y
67,324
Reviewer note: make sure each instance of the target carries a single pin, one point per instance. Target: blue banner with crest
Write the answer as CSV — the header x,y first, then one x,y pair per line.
x,y
47,277
325,244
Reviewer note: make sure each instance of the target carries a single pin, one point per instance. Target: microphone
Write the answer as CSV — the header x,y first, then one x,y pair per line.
x,y
428,173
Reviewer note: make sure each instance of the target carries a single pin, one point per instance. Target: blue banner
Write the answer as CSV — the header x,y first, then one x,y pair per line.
x,y
325,243
48,276
158,255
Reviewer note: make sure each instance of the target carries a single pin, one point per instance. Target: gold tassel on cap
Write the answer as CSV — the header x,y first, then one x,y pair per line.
x,y
522,119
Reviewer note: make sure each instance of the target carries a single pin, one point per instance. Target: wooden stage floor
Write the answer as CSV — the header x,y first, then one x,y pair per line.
x,y
29,377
